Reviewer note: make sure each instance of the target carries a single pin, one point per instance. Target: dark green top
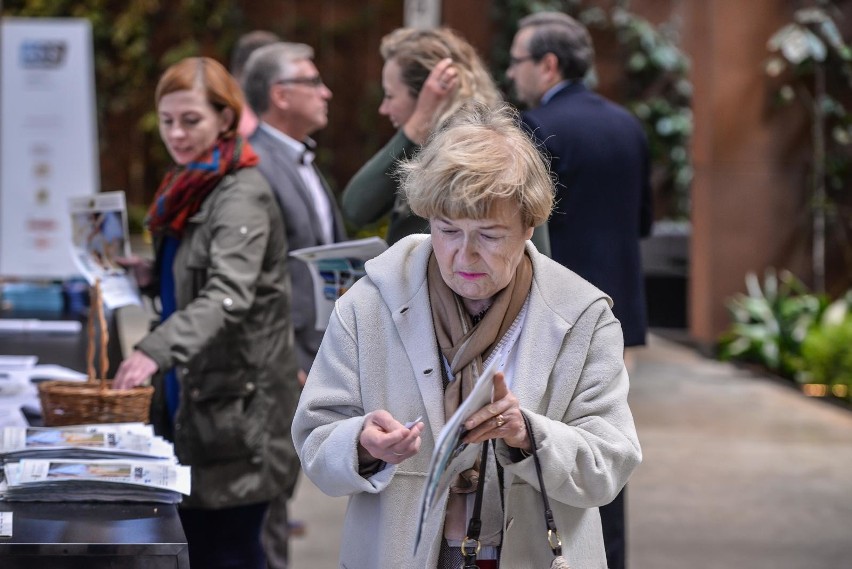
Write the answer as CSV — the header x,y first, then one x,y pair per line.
x,y
373,193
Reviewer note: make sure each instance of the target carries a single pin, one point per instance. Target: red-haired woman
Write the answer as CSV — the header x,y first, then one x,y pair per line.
x,y
222,357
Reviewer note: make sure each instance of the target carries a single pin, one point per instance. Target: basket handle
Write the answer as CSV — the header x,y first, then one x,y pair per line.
x,y
90,330
97,312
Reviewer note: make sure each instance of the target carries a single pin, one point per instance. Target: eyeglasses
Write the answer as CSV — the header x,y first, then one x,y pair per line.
x,y
513,61
314,81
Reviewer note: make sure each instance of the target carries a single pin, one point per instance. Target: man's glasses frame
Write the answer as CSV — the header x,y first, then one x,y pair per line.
x,y
315,81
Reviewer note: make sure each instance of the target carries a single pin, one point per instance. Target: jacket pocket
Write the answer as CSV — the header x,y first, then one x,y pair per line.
x,y
225,419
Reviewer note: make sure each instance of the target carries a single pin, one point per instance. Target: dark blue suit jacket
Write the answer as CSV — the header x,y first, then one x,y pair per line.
x,y
599,153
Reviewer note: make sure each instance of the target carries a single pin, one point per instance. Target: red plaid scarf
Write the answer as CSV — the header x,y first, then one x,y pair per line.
x,y
185,188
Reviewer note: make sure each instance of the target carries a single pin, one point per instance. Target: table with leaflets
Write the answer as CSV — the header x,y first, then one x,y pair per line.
x,y
88,535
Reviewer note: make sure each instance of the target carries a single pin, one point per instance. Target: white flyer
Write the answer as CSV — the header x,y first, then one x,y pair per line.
x,y
335,268
5,524
104,438
152,474
451,455
99,235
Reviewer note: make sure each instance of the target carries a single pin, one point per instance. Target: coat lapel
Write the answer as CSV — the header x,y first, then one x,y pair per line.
x,y
287,161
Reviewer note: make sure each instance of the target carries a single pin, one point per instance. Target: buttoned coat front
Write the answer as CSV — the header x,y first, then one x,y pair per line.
x,y
380,352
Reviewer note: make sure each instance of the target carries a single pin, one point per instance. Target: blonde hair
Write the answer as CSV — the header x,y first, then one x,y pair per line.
x,y
477,157
418,51
220,88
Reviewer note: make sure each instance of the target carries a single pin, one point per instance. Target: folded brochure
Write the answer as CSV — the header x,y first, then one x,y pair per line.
x,y
335,268
452,456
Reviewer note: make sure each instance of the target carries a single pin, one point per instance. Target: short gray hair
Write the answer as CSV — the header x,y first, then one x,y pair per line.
x,y
267,65
477,157
564,37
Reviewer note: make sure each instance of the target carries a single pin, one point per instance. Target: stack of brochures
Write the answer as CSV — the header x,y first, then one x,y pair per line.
x,y
103,463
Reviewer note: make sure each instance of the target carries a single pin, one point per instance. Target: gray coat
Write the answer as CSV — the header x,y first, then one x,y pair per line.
x,y
279,165
380,352
231,344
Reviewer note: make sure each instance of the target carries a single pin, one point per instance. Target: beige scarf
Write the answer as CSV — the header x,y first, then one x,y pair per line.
x,y
466,346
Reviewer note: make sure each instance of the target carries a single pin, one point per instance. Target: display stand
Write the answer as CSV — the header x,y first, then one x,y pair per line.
x,y
85,535
93,536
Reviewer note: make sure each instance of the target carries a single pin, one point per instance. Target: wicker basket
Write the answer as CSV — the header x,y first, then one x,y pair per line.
x,y
75,403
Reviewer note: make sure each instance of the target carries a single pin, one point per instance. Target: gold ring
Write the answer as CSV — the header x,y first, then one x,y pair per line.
x,y
500,420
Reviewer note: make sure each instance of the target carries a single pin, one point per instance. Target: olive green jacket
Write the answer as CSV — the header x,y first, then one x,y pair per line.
x,y
373,193
231,343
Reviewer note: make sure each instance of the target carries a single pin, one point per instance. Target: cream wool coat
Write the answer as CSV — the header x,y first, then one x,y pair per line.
x,y
380,352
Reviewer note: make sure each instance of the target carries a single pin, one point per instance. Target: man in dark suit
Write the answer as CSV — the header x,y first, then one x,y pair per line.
x,y
599,153
285,90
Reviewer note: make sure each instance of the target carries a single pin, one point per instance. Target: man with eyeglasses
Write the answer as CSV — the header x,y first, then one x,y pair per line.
x,y
285,90
599,154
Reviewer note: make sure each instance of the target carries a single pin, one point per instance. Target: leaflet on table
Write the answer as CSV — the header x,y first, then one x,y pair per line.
x,y
17,363
6,524
99,236
452,456
161,475
15,382
335,268
84,441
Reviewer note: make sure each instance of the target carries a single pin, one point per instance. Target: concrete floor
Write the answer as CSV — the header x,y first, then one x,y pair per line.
x,y
740,472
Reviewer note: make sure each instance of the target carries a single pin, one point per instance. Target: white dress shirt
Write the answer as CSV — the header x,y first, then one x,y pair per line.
x,y
309,174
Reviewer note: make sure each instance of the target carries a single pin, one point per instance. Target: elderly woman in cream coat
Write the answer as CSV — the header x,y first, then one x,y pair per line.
x,y
410,338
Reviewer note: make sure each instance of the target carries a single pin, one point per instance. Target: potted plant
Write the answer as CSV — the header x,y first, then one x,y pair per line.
x,y
812,64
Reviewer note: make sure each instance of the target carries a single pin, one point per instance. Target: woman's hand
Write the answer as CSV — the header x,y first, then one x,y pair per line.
x,y
140,268
432,101
384,438
134,371
501,419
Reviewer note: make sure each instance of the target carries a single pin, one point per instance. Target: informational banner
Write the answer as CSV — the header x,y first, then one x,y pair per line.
x,y
48,141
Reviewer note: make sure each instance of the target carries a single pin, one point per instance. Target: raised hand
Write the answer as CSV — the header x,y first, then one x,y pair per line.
x,y
434,98
500,419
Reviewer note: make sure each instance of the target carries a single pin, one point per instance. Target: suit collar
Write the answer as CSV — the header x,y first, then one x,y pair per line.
x,y
286,161
553,90
563,90
296,147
